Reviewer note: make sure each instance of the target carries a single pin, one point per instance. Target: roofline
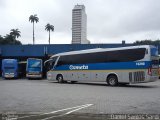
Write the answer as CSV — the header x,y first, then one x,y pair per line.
x,y
100,50
10,59
34,58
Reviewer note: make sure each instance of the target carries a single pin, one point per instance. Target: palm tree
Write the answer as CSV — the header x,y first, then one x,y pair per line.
x,y
15,33
33,18
49,28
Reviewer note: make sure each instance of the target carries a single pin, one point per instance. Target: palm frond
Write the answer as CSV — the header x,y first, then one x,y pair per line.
x,y
33,18
49,27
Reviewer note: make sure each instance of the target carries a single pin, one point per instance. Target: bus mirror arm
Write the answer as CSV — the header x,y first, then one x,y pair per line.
x,y
54,66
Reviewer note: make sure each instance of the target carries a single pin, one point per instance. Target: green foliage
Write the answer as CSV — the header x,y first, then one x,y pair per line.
x,y
15,33
147,42
10,39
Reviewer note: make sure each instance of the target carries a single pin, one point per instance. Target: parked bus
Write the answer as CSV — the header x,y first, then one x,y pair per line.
x,y
34,68
135,64
10,68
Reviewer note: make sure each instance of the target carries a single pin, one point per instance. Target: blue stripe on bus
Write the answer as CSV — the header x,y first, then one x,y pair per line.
x,y
106,66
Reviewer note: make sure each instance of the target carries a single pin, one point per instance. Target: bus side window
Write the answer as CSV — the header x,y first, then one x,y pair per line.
x,y
59,63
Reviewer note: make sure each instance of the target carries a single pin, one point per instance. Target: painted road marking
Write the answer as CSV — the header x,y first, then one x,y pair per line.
x,y
73,109
78,109
87,105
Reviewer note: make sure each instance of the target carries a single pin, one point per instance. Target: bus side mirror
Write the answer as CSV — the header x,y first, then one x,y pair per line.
x,y
55,66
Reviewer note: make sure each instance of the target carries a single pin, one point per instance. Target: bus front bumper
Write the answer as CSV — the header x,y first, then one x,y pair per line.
x,y
9,75
33,75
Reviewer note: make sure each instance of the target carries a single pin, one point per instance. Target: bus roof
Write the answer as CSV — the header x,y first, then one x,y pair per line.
x,y
34,59
10,60
100,50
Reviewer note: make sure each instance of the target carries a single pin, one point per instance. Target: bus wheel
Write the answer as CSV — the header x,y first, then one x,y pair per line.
x,y
60,78
112,80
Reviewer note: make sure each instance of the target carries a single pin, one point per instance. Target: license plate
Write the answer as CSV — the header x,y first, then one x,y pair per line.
x,y
9,75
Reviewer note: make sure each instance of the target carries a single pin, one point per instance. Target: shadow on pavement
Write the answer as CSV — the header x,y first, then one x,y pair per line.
x,y
105,84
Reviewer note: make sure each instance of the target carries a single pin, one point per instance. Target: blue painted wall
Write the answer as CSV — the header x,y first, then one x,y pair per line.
x,y
41,50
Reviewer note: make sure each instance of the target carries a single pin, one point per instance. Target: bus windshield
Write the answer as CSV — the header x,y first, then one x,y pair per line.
x,y
9,69
34,68
49,64
34,64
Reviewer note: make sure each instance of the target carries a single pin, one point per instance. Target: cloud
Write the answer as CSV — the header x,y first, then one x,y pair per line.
x,y
108,20
126,17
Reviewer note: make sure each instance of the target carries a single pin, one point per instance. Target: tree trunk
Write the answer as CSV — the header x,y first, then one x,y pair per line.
x,y
14,39
49,36
33,34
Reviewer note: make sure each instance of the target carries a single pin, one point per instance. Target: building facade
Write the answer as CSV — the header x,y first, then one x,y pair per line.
x,y
79,25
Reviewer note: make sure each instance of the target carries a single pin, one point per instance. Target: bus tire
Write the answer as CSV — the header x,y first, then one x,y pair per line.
x,y
112,80
60,78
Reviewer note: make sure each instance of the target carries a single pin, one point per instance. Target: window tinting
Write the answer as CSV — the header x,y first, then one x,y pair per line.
x,y
154,52
100,57
50,64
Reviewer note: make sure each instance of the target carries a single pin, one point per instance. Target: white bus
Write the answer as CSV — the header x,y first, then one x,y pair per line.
x,y
135,64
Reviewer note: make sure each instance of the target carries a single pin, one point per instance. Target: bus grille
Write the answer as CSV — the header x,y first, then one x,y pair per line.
x,y
135,77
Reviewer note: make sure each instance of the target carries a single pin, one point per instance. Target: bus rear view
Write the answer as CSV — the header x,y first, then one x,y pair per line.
x,y
34,68
9,68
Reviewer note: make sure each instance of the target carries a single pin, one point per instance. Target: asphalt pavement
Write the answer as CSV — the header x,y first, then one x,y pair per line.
x,y
41,99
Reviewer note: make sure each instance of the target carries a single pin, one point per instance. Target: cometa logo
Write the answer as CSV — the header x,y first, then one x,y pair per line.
x,y
84,67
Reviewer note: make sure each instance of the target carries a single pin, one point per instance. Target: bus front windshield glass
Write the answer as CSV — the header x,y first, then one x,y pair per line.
x,y
50,64
9,69
34,64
